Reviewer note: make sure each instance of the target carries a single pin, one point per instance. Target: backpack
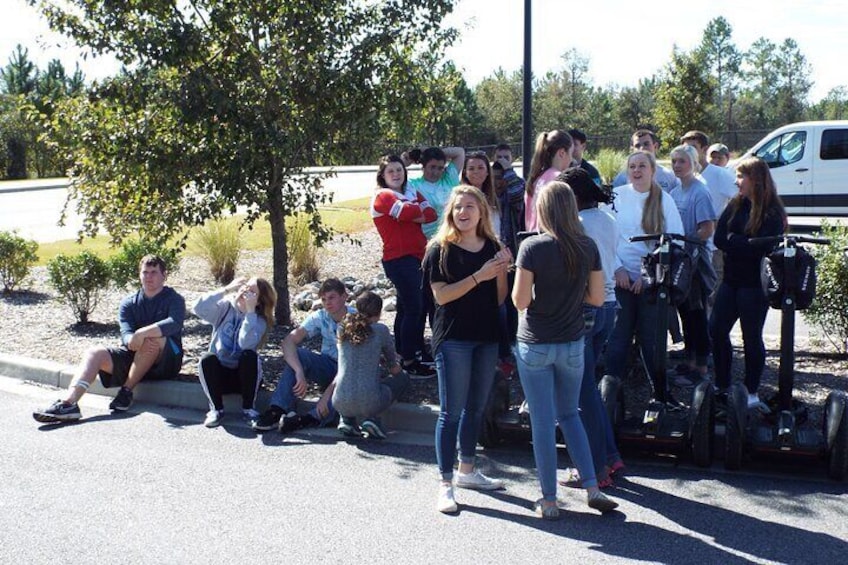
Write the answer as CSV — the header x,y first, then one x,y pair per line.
x,y
680,271
776,285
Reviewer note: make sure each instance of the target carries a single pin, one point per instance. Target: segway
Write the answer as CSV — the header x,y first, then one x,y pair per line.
x,y
789,280
668,426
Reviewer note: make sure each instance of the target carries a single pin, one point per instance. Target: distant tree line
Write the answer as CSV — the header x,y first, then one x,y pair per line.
x,y
734,95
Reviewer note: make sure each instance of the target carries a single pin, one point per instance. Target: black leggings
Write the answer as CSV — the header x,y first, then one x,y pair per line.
x,y
218,380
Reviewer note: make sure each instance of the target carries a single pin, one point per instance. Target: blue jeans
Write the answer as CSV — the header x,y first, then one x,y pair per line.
x,y
749,306
637,316
466,370
405,274
551,375
592,411
318,369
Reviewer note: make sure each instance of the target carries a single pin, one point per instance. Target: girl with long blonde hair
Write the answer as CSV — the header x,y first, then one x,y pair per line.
x,y
641,207
466,268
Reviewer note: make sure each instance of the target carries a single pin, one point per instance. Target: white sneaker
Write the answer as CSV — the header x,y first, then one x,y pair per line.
x,y
476,480
249,414
213,418
755,402
446,502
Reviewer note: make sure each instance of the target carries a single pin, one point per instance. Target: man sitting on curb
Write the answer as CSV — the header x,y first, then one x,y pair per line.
x,y
303,365
151,323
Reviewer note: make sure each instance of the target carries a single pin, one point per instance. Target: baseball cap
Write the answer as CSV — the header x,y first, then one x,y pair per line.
x,y
718,148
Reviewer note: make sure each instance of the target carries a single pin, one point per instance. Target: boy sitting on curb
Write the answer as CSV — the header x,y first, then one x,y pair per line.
x,y
303,365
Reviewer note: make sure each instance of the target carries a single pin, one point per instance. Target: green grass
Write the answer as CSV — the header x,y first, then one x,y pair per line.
x,y
348,217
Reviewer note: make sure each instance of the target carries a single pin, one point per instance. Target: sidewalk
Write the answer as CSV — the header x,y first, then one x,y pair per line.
x,y
412,418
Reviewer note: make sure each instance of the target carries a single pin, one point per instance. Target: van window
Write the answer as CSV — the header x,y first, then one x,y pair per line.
x,y
784,149
834,144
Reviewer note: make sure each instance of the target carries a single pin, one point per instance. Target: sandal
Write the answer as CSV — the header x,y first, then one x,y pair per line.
x,y
572,480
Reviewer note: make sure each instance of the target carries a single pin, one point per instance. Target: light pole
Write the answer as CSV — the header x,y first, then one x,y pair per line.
x,y
527,117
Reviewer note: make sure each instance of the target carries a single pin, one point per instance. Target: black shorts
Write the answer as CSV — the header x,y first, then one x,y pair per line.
x,y
167,367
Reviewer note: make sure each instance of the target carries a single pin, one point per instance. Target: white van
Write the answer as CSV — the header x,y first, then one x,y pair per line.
x,y
809,164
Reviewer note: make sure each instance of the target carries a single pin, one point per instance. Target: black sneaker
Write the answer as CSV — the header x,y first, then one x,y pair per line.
x,y
424,357
59,411
268,420
293,422
418,370
122,401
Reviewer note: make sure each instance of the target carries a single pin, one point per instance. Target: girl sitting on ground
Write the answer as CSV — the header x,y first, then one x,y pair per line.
x,y
242,315
360,393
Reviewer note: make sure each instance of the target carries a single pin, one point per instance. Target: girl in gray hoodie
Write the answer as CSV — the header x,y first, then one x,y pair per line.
x,y
241,314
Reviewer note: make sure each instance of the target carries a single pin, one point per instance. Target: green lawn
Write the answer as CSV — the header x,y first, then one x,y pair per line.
x,y
344,217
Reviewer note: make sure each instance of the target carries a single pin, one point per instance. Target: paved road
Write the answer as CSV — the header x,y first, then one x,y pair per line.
x,y
157,487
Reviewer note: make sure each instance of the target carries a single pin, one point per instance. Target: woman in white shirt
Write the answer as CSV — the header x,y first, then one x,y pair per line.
x,y
641,207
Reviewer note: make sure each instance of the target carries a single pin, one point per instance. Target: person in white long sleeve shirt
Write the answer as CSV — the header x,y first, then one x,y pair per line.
x,y
641,207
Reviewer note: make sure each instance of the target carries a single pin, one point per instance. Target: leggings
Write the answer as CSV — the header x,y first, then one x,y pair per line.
x,y
218,380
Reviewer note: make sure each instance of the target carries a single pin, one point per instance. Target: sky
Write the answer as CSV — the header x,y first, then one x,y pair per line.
x,y
607,32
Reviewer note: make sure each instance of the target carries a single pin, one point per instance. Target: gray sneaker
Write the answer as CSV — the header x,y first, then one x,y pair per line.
x,y
58,412
373,430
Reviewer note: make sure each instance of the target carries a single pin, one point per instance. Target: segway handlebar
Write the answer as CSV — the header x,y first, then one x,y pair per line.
x,y
786,237
667,236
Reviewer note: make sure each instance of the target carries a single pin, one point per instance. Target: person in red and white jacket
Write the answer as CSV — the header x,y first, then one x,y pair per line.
x,y
398,212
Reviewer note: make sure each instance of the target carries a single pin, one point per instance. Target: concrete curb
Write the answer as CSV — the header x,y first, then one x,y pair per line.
x,y
400,416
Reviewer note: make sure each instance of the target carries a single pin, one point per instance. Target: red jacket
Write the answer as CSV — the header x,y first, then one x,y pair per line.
x,y
394,214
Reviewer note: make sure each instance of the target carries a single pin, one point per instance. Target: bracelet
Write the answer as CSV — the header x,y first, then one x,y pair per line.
x,y
473,278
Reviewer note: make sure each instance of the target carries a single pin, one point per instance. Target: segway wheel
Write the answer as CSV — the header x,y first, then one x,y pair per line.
x,y
735,426
613,399
703,424
836,435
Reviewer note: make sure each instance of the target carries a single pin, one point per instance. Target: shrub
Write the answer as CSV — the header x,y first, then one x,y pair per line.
x,y
80,280
123,266
302,251
609,163
219,242
17,256
829,310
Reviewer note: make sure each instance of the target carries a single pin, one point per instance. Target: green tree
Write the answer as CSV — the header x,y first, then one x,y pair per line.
x,y
778,78
684,98
223,103
499,100
634,106
562,97
723,59
20,75
834,106
18,79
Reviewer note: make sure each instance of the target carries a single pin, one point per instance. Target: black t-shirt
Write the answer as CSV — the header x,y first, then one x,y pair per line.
x,y
555,314
474,315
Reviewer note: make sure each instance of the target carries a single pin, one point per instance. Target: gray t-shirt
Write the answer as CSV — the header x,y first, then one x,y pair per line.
x,y
555,314
359,393
695,206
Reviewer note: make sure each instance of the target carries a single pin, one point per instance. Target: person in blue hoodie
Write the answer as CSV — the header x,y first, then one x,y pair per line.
x,y
242,315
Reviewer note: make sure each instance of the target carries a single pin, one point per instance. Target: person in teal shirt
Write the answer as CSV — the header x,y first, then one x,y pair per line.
x,y
441,167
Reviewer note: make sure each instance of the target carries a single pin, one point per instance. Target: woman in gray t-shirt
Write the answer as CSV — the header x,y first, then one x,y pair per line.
x,y
557,271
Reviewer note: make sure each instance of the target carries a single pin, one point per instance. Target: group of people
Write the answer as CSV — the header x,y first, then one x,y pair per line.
x,y
542,275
